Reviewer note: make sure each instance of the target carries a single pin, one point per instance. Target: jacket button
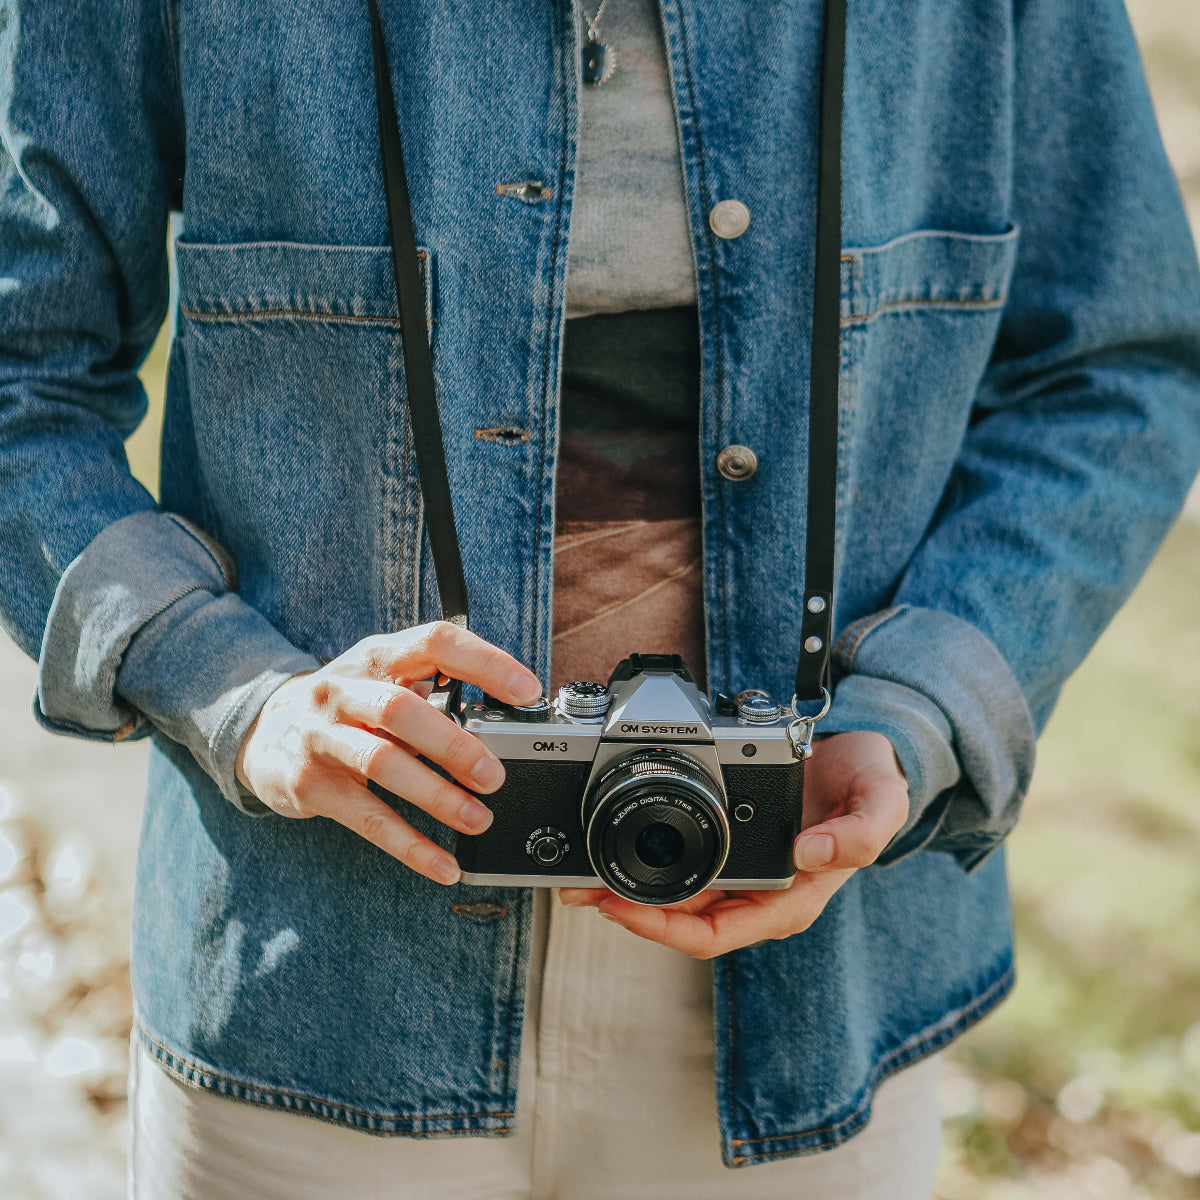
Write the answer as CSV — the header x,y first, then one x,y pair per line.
x,y
729,218
737,462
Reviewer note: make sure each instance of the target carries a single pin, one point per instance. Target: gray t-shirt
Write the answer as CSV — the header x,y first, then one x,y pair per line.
x,y
629,244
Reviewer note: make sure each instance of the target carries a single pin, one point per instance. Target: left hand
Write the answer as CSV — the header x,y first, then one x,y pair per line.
x,y
855,801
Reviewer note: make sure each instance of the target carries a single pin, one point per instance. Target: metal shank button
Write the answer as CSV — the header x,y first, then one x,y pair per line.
x,y
737,462
729,218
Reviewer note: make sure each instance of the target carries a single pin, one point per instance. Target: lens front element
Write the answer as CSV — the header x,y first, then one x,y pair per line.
x,y
659,845
657,833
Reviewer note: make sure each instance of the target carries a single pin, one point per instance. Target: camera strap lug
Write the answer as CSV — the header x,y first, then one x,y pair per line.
x,y
800,730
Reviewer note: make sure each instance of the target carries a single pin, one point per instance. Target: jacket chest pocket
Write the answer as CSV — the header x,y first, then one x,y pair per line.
x,y
295,383
920,315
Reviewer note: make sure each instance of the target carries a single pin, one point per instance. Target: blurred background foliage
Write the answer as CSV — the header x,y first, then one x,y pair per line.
x,y
1084,1084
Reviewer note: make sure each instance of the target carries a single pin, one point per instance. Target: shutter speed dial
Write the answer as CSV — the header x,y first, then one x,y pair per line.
x,y
547,846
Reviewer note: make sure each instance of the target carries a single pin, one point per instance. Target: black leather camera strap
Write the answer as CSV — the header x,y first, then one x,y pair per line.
x,y
812,672
816,627
418,359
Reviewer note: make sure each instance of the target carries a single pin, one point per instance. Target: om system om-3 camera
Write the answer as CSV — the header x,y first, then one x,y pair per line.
x,y
644,786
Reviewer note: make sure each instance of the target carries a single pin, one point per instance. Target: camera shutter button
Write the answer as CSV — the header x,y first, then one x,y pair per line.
x,y
737,462
539,710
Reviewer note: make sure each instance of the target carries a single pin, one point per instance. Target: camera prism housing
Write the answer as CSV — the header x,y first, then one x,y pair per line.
x,y
644,786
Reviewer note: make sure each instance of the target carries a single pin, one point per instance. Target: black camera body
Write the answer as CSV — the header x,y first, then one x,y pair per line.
x,y
643,786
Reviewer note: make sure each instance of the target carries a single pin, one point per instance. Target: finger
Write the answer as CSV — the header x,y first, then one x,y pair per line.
x,y
378,760
573,897
585,897
452,650
400,712
855,839
730,923
355,807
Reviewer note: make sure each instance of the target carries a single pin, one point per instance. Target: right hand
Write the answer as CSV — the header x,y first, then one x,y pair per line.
x,y
322,735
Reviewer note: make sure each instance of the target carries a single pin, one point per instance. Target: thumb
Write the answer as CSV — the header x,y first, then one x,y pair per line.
x,y
857,838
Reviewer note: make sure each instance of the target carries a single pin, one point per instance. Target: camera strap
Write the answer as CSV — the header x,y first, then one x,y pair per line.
x,y
812,671
418,359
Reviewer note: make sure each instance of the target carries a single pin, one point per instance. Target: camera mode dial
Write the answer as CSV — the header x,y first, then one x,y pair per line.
x,y
584,699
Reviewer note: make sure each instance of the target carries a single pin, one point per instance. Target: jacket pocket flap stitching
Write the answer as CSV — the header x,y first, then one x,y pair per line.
x,y
928,268
251,280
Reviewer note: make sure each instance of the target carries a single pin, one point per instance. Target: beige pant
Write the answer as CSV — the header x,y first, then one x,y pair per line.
x,y
616,1101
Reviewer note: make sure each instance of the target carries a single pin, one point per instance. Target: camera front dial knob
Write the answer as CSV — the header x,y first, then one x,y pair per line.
x,y
547,846
584,699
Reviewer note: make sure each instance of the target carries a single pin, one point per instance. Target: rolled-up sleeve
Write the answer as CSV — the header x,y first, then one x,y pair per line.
x,y
132,611
146,628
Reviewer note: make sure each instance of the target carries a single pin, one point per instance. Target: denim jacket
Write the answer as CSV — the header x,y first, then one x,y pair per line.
x,y
1020,421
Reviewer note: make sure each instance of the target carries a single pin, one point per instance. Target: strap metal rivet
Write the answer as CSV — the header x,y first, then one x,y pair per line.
x,y
813,644
816,604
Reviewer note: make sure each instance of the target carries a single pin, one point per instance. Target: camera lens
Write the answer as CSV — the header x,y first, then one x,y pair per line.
x,y
659,845
657,831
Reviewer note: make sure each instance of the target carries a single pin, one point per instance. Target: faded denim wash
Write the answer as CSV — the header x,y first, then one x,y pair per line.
x,y
1020,424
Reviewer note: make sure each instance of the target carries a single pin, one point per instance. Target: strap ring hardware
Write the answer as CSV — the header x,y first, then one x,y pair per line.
x,y
800,731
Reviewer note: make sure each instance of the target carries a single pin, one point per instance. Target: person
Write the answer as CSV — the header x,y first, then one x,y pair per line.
x,y
616,247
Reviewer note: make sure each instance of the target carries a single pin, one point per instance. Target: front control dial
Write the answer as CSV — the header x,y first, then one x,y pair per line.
x,y
547,846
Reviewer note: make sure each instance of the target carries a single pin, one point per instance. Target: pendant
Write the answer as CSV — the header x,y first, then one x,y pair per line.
x,y
599,62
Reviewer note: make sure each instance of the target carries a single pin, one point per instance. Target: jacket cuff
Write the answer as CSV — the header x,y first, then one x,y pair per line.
x,y
146,629
941,692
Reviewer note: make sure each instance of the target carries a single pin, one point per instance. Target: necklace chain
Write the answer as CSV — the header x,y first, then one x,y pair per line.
x,y
592,22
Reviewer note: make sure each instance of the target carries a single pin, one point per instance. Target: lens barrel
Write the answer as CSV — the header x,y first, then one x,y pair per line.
x,y
657,831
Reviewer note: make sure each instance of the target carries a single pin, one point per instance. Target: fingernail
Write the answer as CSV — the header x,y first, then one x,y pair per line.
x,y
445,869
487,773
477,817
610,917
815,851
525,687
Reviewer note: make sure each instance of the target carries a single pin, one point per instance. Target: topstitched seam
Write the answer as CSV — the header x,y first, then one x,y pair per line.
x,y
908,305
173,1058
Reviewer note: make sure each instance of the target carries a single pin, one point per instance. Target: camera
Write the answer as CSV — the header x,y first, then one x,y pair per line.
x,y
642,785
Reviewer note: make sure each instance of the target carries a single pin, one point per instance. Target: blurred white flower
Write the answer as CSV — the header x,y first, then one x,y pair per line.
x,y
37,958
1080,1099
16,911
10,801
1104,1178
12,852
68,869
959,1094
73,1056
1182,1153
16,1048
1004,1102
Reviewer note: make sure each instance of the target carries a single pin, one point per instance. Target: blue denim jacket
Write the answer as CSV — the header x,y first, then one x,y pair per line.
x,y
1020,422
